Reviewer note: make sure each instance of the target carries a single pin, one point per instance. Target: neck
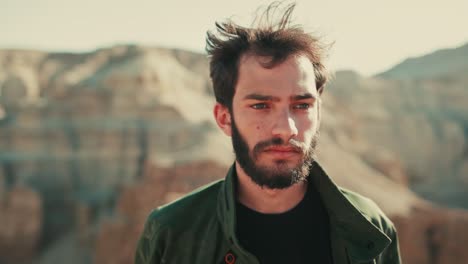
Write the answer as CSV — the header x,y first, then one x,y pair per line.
x,y
265,200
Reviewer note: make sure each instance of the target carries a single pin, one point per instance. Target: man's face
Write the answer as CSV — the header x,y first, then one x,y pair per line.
x,y
275,120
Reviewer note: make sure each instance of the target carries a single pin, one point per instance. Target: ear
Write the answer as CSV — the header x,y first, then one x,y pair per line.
x,y
223,118
319,113
320,90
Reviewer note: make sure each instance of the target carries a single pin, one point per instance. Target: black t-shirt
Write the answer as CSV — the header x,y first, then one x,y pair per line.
x,y
300,235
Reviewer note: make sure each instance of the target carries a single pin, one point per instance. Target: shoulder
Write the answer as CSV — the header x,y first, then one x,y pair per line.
x,y
166,224
200,202
370,210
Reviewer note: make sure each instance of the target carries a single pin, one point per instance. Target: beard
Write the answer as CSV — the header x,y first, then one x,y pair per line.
x,y
278,176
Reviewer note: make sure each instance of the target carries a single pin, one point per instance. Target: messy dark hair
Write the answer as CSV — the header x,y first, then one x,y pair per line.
x,y
270,37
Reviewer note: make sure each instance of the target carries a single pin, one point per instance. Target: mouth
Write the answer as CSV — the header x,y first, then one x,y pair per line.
x,y
282,152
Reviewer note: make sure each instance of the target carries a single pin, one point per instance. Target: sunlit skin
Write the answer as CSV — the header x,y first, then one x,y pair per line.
x,y
281,102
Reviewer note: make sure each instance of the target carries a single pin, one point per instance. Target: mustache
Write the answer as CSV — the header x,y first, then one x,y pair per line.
x,y
276,142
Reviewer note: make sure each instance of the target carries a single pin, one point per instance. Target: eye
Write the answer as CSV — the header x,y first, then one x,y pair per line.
x,y
302,106
259,106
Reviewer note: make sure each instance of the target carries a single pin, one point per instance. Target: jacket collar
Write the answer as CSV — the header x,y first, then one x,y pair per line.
x,y
362,239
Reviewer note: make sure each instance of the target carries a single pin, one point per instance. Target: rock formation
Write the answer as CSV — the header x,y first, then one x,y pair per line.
x,y
20,225
103,137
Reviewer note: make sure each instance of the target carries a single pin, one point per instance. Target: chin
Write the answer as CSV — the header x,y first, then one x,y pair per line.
x,y
288,163
280,165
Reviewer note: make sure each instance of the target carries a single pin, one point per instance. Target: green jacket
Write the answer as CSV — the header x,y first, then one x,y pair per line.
x,y
200,227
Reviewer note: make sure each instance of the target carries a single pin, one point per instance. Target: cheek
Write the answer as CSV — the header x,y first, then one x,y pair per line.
x,y
251,121
249,125
254,130
259,126
308,125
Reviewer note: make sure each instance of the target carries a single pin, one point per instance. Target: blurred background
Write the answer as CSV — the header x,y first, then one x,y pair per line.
x,y
105,113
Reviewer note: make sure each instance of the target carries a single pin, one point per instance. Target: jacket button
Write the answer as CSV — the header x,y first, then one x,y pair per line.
x,y
229,258
370,245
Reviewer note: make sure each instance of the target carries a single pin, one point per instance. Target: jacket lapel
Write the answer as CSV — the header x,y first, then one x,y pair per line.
x,y
354,239
227,217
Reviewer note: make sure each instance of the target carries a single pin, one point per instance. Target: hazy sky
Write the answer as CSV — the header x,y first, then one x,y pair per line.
x,y
370,35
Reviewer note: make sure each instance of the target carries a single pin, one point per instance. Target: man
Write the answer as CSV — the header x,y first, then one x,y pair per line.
x,y
276,204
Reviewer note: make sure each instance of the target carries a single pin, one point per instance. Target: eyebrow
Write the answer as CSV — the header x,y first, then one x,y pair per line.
x,y
260,97
303,97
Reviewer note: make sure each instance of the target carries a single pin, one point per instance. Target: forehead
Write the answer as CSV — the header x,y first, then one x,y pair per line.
x,y
294,76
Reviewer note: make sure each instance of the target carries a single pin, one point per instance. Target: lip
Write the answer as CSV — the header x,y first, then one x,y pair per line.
x,y
282,149
282,152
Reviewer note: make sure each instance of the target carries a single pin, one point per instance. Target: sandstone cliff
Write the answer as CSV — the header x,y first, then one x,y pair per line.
x,y
105,136
20,225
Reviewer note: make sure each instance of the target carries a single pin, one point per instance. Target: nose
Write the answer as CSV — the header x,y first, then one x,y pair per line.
x,y
285,126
